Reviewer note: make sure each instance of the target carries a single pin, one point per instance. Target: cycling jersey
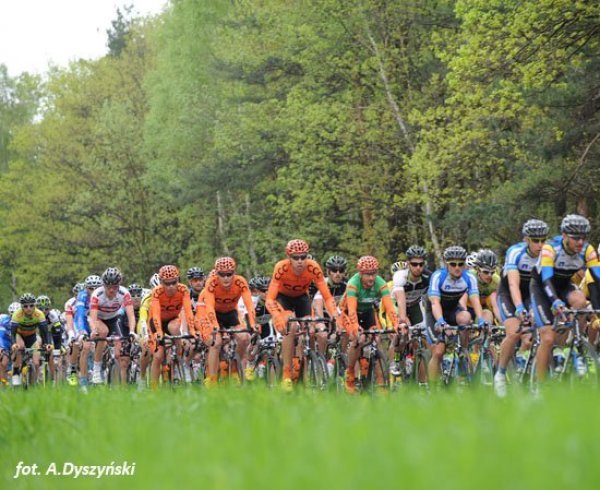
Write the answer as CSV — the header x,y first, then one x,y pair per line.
x,y
164,308
485,289
221,300
27,326
450,290
413,291
109,308
5,336
336,290
362,302
518,259
144,314
70,307
285,284
82,307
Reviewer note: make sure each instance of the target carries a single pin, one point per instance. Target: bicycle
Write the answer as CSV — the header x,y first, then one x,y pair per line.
x,y
172,365
111,369
230,361
456,363
267,361
414,360
336,353
376,362
581,364
485,366
312,365
28,370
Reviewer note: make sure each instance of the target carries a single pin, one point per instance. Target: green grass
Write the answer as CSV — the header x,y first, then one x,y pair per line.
x,y
256,439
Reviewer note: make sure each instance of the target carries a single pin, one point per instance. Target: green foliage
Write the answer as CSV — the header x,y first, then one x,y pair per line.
x,y
361,126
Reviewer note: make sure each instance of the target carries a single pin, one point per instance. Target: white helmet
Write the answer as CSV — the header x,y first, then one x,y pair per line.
x,y
471,260
13,307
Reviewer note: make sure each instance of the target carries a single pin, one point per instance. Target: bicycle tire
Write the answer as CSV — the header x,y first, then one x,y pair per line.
x,y
378,361
317,371
592,365
176,373
113,373
484,370
272,369
237,362
420,360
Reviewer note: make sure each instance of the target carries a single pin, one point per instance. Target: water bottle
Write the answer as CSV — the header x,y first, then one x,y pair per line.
x,y
446,363
580,366
408,365
260,369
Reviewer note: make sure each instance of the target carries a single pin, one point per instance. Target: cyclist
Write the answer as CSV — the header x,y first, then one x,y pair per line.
x,y
488,281
169,300
55,326
80,346
335,268
288,295
106,304
447,292
24,324
409,289
364,291
513,292
143,329
5,344
258,288
551,288
70,311
220,297
196,280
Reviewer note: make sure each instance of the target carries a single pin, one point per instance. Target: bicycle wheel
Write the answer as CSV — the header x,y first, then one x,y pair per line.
x,y
341,364
272,374
113,373
235,371
317,372
378,367
587,369
176,372
420,375
484,370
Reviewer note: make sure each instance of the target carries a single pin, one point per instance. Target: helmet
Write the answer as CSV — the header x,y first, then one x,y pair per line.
x,y
487,258
77,288
135,289
397,266
27,299
296,247
415,251
471,259
154,280
535,228
92,282
575,224
195,273
112,276
43,302
167,272
225,264
455,252
336,262
13,307
367,263
260,282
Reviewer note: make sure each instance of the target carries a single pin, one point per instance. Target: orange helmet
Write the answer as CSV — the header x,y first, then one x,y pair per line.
x,y
296,247
167,272
225,264
367,263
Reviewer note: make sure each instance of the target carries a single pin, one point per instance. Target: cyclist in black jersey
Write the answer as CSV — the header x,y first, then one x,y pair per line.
x,y
196,280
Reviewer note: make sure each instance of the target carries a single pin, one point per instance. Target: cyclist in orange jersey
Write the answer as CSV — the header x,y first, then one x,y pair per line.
x,y
217,308
169,300
288,296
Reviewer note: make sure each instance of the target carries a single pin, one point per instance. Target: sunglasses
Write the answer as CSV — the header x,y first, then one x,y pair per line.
x,y
298,258
537,240
169,283
578,238
27,306
225,274
417,264
339,271
456,264
485,272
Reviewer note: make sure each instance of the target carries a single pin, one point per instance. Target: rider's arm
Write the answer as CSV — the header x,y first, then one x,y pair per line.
x,y
399,281
327,296
155,313
352,307
251,312
473,292
390,311
318,304
188,312
209,302
514,286
434,295
81,312
547,271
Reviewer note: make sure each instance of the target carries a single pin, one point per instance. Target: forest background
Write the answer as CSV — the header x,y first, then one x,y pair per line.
x,y
362,126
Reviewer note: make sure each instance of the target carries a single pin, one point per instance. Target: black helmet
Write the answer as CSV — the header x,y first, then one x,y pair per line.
x,y
415,251
455,252
260,282
575,224
112,276
195,273
486,258
135,289
336,262
93,282
27,299
535,228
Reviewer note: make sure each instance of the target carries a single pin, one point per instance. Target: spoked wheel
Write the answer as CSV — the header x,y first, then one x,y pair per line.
x,y
378,375
316,371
